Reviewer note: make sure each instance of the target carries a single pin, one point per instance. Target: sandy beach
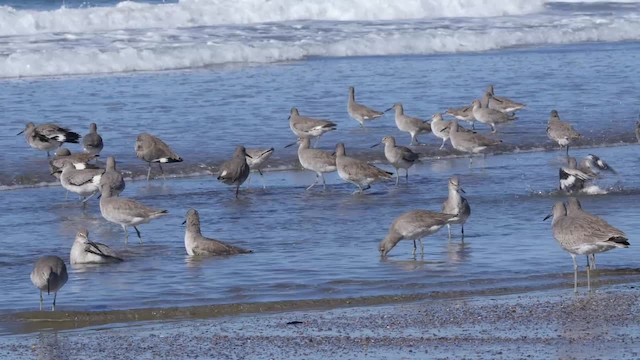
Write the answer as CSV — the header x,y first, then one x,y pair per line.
x,y
545,324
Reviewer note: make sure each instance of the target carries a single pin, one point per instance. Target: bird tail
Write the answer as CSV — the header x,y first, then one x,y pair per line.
x,y
71,137
619,241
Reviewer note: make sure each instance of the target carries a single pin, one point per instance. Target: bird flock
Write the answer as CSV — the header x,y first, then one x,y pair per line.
x,y
577,231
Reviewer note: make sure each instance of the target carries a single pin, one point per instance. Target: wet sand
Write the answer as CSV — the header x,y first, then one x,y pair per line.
x,y
543,324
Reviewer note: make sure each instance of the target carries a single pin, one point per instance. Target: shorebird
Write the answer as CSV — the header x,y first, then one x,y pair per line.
x,y
256,159
196,244
490,116
399,156
500,103
572,179
414,225
592,165
153,150
306,127
464,113
561,132
126,212
583,235
63,155
357,172
112,177
315,160
85,251
84,182
50,274
469,142
456,204
441,128
412,125
47,137
359,112
92,142
236,170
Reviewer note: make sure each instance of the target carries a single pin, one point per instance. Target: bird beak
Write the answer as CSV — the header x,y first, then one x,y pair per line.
x,y
184,222
374,145
290,145
289,117
20,132
546,217
389,109
446,127
247,155
462,190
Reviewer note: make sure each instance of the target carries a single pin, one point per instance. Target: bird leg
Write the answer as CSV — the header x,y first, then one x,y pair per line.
x,y
575,274
237,190
324,184
397,177
53,307
149,172
588,279
449,228
126,234
462,232
421,247
443,141
414,247
264,185
162,172
406,175
315,181
41,300
138,233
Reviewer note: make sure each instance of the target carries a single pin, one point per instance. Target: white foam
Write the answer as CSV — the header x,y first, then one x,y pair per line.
x,y
193,13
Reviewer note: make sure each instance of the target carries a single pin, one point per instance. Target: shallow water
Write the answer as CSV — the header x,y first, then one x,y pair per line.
x,y
315,244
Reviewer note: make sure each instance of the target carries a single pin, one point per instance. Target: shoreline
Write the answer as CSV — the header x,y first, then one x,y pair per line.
x,y
541,324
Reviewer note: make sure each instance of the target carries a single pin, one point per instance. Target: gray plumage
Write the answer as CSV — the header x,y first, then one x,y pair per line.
x,y
126,212
196,244
85,251
571,179
500,103
456,204
592,165
359,112
63,155
84,182
47,137
49,274
256,159
412,125
441,128
560,131
153,150
464,113
399,157
236,170
112,177
315,160
468,142
582,235
414,225
306,127
357,172
489,116
92,142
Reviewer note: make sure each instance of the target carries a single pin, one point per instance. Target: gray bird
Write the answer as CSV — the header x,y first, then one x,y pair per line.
x,y
153,150
571,178
490,116
441,128
412,125
414,225
500,103
63,155
196,244
464,113
92,142
126,212
359,112
85,251
315,160
358,172
112,177
84,182
456,204
306,127
399,157
560,131
50,274
593,165
47,137
236,170
469,142
581,235
256,160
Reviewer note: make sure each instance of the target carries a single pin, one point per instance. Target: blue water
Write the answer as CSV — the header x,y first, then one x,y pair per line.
x,y
312,244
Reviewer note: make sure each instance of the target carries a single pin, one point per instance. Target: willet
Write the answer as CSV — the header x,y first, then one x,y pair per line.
x,y
571,178
592,165
441,128
464,113
399,156
490,116
315,160
500,103
306,127
412,125
560,131
196,244
85,251
153,150
469,142
84,182
112,177
357,172
414,225
47,137
50,274
63,155
126,212
256,159
456,204
92,142
236,170
581,235
359,112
